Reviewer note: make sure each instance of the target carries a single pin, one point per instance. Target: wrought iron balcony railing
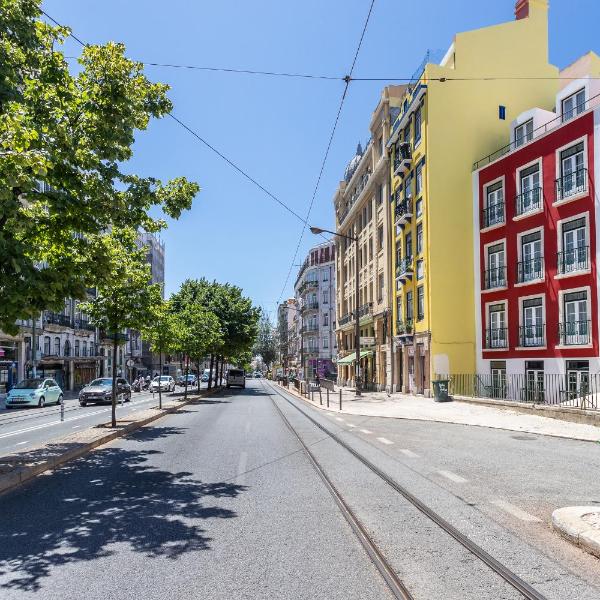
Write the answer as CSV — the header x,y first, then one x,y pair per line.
x,y
492,215
496,337
574,333
530,270
494,278
404,327
571,184
528,201
404,211
532,335
574,259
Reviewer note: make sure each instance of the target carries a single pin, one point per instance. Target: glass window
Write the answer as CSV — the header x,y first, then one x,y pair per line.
x,y
420,303
524,133
409,306
57,346
419,207
496,268
419,238
420,269
380,288
494,205
408,187
419,179
47,345
380,237
325,342
408,249
326,319
325,296
574,254
530,196
575,326
417,124
572,172
77,346
84,353
531,266
532,330
379,194
573,105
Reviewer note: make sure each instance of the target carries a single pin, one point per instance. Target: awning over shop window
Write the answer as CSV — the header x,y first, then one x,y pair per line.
x,y
348,360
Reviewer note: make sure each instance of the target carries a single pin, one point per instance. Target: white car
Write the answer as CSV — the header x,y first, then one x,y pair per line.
x,y
165,382
236,377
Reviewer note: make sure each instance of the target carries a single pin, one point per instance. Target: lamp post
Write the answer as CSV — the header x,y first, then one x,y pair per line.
x,y
317,231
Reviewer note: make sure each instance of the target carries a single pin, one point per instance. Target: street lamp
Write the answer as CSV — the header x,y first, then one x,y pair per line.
x,y
317,231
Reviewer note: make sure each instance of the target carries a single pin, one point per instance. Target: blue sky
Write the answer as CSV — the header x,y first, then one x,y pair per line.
x,y
276,128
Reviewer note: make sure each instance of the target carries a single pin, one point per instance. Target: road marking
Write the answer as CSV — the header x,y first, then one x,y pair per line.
x,y
241,470
76,426
452,476
350,425
384,440
409,453
339,419
365,431
515,511
21,443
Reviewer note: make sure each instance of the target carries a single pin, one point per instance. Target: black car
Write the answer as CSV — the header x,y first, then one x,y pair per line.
x,y
100,391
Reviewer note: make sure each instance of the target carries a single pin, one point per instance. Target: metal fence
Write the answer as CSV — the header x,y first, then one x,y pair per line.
x,y
575,389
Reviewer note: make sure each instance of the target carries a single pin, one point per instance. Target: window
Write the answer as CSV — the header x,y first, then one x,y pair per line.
x,y
380,237
574,254
399,308
325,341
495,274
530,197
420,303
496,334
408,187
326,319
77,347
409,307
524,133
417,125
573,105
573,175
502,112
419,238
419,179
46,345
532,328
419,207
67,348
578,378
534,380
380,145
531,266
57,346
408,250
493,213
420,269
370,245
325,296
498,372
575,328
407,133
380,288
379,194
84,349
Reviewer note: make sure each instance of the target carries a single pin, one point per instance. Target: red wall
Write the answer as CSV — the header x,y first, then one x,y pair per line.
x,y
546,148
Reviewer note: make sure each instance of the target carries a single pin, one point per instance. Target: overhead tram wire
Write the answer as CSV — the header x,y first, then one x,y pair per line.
x,y
347,80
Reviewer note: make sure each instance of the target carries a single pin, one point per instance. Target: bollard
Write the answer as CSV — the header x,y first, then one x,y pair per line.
x,y
320,397
312,395
340,398
62,409
327,397
121,398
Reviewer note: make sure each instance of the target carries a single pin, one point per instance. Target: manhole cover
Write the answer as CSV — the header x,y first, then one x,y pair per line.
x,y
592,519
523,438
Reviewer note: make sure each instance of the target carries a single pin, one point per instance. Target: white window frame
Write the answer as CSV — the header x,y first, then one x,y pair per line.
x,y
577,112
486,264
524,139
561,310
539,162
558,169
487,324
539,229
559,244
484,203
531,297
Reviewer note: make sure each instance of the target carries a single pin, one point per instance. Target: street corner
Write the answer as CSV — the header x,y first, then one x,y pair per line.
x,y
580,525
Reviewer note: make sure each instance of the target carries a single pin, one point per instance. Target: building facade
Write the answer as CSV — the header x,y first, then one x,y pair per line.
x,y
536,248
361,212
315,318
449,117
285,334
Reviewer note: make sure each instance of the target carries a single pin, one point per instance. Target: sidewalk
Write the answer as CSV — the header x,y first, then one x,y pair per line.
x,y
405,406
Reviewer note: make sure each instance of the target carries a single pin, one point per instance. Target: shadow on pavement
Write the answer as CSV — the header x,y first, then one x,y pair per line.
x,y
110,496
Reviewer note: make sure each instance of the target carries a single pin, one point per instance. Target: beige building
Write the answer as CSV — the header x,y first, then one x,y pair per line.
x,y
361,210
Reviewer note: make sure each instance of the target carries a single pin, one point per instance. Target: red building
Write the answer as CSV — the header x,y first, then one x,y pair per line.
x,y
536,245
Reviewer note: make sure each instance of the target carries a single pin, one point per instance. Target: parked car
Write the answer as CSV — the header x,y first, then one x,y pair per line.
x,y
236,377
37,391
165,382
100,391
204,377
257,374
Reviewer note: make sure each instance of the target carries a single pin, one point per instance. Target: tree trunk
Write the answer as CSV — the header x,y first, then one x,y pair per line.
x,y
216,370
114,382
222,364
212,359
187,369
159,375
198,378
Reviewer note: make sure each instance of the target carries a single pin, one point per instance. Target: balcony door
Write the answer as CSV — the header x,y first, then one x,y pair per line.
x,y
497,326
496,266
574,255
533,323
576,325
530,184
578,378
531,256
572,170
534,381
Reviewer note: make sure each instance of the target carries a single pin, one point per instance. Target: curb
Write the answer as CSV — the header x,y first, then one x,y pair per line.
x,y
579,525
16,476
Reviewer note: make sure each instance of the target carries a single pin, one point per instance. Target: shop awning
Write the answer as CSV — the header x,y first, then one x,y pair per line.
x,y
348,360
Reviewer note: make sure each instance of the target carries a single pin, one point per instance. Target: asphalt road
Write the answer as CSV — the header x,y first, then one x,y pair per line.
x,y
22,428
219,501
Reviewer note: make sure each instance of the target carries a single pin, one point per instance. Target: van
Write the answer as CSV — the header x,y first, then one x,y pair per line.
x,y
236,377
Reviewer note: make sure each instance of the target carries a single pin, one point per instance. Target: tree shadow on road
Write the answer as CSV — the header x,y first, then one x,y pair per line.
x,y
110,496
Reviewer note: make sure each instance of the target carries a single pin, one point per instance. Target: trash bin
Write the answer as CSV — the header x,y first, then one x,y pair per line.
x,y
440,390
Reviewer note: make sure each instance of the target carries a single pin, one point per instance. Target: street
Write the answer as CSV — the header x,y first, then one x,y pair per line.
x,y
221,501
23,428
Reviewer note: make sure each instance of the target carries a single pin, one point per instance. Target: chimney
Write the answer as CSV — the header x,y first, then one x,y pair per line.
x,y
523,7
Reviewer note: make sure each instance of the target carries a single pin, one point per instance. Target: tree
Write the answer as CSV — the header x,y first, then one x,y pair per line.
x,y
74,133
265,345
125,298
160,329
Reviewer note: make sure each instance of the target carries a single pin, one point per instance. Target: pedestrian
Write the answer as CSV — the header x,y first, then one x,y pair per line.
x,y
317,380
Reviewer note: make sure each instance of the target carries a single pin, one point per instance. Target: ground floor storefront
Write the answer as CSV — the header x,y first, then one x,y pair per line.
x,y
412,364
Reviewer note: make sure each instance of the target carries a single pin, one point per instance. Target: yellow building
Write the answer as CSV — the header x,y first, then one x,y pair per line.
x,y
454,113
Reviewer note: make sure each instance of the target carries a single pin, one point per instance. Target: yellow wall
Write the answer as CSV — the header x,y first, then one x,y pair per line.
x,y
461,126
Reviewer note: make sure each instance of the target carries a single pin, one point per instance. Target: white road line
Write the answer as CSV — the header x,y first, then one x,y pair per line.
x,y
409,453
339,419
365,431
515,511
21,443
241,470
76,426
350,425
452,476
384,440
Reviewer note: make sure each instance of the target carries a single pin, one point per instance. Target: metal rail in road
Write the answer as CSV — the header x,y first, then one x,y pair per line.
x,y
526,590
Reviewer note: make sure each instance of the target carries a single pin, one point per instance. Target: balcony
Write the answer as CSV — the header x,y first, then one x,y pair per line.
x,y
308,285
404,270
404,211
532,336
573,260
310,306
530,270
365,310
402,158
492,215
571,184
345,319
404,328
83,324
494,278
53,318
496,337
528,202
309,329
574,333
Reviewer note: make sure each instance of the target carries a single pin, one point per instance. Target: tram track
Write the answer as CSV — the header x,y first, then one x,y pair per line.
x,y
395,584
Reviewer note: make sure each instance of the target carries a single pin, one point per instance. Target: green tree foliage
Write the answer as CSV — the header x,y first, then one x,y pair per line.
x,y
125,298
265,345
73,132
